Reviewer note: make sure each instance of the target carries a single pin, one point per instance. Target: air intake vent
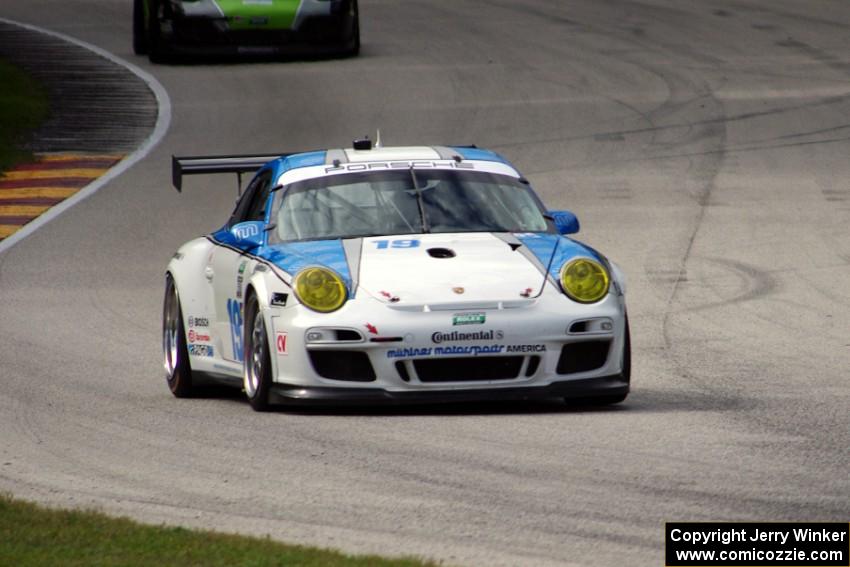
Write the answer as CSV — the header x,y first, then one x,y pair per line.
x,y
441,253
583,357
350,366
468,369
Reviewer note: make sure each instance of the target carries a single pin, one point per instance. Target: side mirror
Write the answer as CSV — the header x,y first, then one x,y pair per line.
x,y
248,233
565,221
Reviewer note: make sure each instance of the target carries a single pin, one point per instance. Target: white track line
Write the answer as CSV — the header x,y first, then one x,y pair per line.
x,y
163,120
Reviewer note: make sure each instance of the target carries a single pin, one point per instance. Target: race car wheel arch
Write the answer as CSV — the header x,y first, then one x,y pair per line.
x,y
140,34
178,369
257,368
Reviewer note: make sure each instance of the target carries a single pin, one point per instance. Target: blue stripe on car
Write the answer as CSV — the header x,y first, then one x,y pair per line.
x,y
294,256
480,155
542,246
307,159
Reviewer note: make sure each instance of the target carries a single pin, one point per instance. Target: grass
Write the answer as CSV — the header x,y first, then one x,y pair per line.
x,y
31,535
23,107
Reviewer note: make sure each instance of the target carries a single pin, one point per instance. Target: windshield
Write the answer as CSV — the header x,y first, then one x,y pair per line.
x,y
405,201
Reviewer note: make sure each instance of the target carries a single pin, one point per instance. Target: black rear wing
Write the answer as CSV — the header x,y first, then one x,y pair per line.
x,y
190,165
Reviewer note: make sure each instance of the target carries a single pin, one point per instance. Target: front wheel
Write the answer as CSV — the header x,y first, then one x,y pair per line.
x,y
257,371
178,371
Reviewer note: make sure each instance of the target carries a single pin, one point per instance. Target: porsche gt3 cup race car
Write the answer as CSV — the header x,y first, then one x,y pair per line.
x,y
162,28
398,274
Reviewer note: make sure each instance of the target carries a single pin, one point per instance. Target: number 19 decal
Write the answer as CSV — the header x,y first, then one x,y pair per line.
x,y
234,312
402,243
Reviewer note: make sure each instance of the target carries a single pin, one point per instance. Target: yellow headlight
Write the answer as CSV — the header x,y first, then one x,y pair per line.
x,y
585,280
320,289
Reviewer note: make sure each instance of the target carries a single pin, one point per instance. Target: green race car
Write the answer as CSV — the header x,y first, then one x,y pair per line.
x,y
162,28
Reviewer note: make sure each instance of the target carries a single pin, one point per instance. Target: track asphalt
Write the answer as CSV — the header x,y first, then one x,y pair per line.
x,y
99,112
703,146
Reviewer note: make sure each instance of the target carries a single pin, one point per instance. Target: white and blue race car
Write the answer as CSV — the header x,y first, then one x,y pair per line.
x,y
397,274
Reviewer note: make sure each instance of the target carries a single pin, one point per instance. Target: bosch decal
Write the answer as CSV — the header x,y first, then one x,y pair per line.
x,y
198,321
455,336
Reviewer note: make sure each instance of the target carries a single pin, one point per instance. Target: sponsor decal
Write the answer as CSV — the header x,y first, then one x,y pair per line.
x,y
439,337
201,350
279,299
473,350
280,342
401,243
526,292
526,348
420,164
469,318
246,231
195,337
458,290
239,279
372,328
234,313
408,352
198,321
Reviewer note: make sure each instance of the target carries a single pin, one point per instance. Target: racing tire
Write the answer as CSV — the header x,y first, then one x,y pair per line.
x,y
140,37
352,44
627,375
178,370
257,368
158,51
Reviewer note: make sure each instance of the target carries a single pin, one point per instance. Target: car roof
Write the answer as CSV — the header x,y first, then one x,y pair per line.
x,y
384,154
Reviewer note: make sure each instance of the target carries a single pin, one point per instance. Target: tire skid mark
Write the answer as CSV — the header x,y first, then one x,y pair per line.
x,y
752,283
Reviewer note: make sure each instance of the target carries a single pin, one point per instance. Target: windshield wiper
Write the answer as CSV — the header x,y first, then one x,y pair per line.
x,y
419,202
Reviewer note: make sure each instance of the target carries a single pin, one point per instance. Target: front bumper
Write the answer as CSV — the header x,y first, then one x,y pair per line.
x,y
547,347
616,385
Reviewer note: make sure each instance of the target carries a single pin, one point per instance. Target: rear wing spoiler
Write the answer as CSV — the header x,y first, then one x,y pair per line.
x,y
191,165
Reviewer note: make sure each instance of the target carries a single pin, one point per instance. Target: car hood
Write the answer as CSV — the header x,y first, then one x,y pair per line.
x,y
449,268
480,268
